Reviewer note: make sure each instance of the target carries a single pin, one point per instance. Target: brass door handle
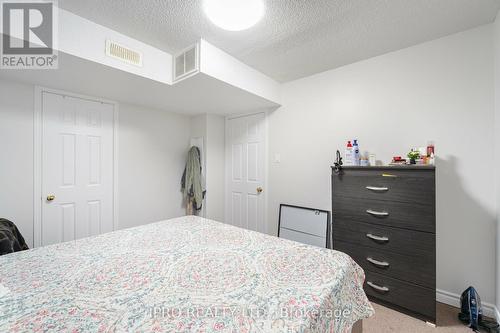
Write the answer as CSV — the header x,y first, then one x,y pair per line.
x,y
51,197
259,189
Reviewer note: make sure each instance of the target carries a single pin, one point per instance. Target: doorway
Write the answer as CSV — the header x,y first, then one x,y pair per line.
x,y
246,145
75,167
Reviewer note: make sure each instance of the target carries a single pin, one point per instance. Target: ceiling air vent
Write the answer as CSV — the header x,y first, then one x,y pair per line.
x,y
186,63
120,52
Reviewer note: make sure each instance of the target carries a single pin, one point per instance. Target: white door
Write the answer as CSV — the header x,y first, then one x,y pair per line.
x,y
245,168
77,168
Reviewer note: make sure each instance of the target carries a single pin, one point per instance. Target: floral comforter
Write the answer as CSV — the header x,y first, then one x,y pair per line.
x,y
182,275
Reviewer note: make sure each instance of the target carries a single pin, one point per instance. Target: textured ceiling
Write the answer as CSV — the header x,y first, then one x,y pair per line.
x,y
296,38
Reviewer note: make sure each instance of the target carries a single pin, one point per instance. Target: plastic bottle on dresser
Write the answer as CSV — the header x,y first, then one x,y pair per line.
x,y
356,154
349,154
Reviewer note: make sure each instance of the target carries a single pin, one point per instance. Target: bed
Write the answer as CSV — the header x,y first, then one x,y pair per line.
x,y
186,274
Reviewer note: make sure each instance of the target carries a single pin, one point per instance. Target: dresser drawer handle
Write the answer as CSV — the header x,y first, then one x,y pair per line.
x,y
389,175
378,238
378,263
379,288
377,189
375,213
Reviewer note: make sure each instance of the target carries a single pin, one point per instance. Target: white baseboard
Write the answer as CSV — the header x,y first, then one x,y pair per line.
x,y
489,310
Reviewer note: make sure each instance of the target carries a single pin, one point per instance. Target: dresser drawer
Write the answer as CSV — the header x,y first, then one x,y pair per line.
x,y
414,269
385,219
388,213
403,186
410,297
385,238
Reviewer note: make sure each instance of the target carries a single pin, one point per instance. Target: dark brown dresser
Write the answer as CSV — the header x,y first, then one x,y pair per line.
x,y
385,219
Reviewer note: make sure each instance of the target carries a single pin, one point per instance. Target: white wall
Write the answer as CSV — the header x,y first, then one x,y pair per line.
x,y
152,152
16,156
442,91
222,66
86,39
497,151
153,147
215,167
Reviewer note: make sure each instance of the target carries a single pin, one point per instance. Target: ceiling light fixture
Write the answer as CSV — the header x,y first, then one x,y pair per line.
x,y
234,15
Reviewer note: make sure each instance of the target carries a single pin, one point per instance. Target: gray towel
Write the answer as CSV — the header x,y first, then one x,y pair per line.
x,y
192,182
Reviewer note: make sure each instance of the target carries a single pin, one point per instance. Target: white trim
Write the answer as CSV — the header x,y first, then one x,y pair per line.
x,y
446,297
116,141
266,171
37,167
246,114
497,315
228,164
37,157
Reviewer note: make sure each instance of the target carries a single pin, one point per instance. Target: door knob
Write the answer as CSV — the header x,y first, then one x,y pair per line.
x,y
259,189
51,197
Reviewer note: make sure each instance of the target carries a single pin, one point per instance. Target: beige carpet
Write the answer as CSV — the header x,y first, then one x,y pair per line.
x,y
386,320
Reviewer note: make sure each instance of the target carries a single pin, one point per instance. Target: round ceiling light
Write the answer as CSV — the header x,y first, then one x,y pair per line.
x,y
234,15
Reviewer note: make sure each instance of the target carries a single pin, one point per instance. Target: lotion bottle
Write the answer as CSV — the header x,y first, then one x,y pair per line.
x,y
349,154
356,155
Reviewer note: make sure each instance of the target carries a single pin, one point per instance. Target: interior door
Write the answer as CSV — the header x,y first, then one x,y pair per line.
x,y
77,168
245,155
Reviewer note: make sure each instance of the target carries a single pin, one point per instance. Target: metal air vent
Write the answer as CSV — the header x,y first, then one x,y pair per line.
x,y
186,63
120,52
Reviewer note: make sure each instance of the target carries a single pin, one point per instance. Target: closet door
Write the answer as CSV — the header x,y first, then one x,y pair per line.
x,y
77,168
245,168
